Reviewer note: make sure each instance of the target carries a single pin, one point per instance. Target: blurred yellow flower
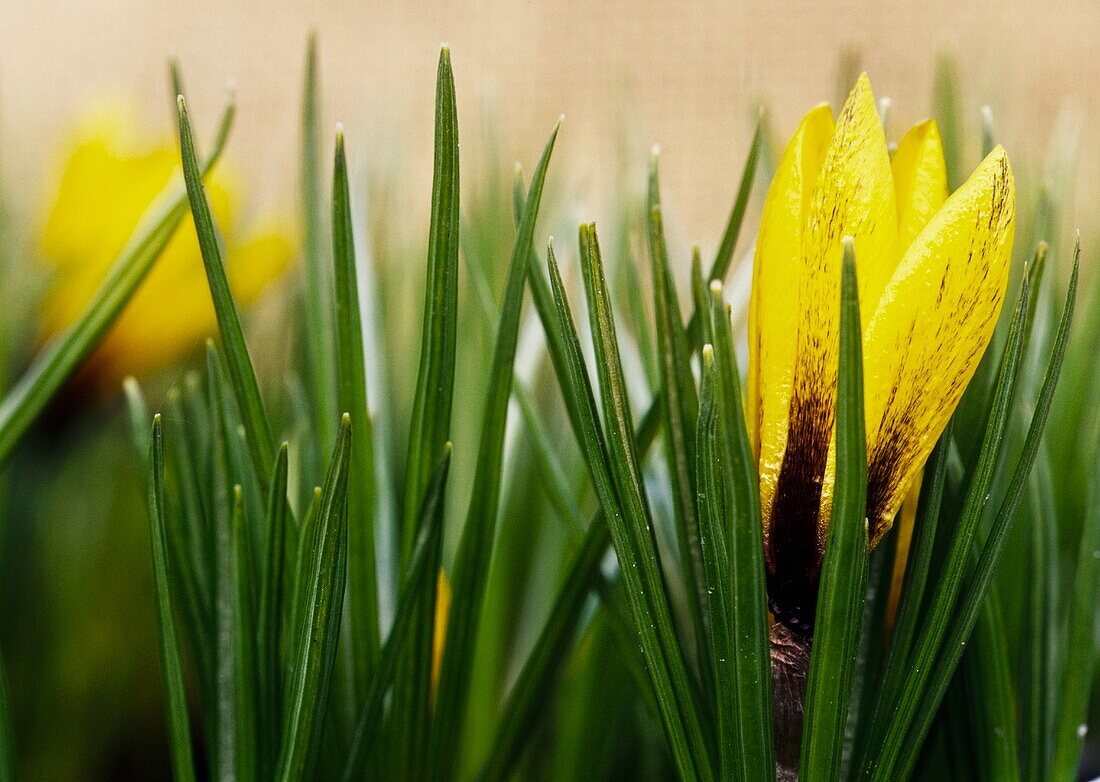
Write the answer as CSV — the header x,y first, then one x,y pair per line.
x,y
109,177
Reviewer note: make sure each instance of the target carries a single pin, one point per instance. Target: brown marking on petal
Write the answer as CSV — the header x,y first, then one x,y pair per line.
x,y
792,551
902,435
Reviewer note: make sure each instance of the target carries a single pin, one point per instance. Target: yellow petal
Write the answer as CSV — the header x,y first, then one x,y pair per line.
x,y
853,196
773,311
172,311
439,632
920,180
254,263
931,328
901,556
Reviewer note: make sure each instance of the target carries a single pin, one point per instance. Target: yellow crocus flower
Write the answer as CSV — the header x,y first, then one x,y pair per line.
x,y
107,181
932,274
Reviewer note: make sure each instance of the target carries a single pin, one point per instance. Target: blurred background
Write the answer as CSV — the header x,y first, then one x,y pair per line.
x,y
687,75
76,625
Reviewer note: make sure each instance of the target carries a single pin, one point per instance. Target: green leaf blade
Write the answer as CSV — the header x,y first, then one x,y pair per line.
x,y
916,720
715,550
680,406
171,656
898,714
752,650
352,393
320,604
1080,647
624,502
242,375
435,376
419,584
471,568
317,315
844,568
270,622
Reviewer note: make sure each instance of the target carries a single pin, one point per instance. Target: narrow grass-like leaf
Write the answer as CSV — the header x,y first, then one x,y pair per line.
x,y
1040,619
435,376
171,656
63,354
430,425
896,714
420,581
190,536
700,297
872,642
1079,641
719,586
321,598
756,747
724,256
138,413
543,665
8,765
471,568
244,643
299,576
617,477
317,315
680,406
269,626
556,484
990,700
241,373
839,616
352,386
917,566
916,716
945,100
223,729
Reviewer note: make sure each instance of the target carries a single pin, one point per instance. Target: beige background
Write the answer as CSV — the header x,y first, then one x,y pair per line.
x,y
686,75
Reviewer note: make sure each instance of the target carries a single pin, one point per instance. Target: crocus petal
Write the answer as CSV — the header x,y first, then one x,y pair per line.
x,y
773,312
107,183
907,519
920,180
934,321
439,627
854,196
